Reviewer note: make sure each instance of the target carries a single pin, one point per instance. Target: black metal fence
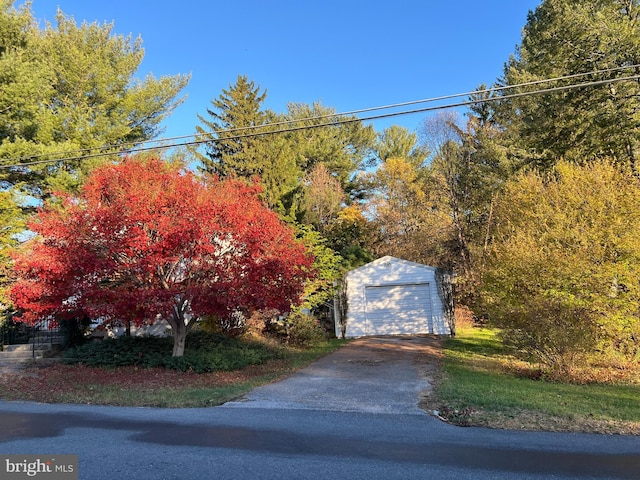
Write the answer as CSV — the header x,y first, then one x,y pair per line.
x,y
16,333
12,333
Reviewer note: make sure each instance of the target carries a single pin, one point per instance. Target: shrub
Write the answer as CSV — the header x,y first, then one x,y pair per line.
x,y
304,330
558,335
233,325
562,279
207,352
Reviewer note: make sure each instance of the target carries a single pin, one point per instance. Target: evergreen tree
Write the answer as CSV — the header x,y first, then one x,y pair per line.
x,y
11,224
343,144
238,146
236,113
398,142
566,37
280,176
66,87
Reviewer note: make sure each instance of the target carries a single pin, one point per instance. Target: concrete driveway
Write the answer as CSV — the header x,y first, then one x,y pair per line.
x,y
368,375
323,422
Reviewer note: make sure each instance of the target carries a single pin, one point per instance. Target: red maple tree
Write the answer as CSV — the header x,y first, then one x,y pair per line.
x,y
144,240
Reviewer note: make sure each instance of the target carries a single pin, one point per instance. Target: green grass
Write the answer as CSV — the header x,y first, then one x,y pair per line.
x,y
137,385
477,388
164,397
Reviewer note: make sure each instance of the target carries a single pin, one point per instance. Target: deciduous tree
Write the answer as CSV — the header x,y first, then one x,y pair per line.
x,y
323,198
401,210
562,280
144,240
350,236
468,167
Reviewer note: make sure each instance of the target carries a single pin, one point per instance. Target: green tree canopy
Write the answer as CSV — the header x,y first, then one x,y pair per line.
x,y
566,37
65,88
344,145
236,144
245,141
398,142
236,113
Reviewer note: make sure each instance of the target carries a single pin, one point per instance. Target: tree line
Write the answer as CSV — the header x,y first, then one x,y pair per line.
x,y
530,199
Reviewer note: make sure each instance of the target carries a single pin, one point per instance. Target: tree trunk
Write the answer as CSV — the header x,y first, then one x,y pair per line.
x,y
178,329
179,339
180,326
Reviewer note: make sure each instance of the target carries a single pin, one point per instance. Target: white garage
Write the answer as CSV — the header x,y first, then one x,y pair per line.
x,y
391,296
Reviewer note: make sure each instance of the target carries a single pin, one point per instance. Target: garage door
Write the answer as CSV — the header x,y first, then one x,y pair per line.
x,y
398,309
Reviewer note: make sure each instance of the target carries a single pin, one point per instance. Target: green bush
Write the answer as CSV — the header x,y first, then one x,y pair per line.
x,y
304,330
561,279
204,352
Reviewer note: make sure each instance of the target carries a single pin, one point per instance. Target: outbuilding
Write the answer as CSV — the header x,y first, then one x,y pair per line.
x,y
391,296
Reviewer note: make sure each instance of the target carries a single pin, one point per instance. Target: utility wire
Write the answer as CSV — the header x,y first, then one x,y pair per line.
x,y
258,130
123,147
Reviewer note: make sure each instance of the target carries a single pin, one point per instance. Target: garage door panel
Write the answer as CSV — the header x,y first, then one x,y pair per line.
x,y
397,309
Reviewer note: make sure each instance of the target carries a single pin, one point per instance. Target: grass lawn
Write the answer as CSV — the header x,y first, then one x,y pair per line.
x,y
478,383
478,386
154,387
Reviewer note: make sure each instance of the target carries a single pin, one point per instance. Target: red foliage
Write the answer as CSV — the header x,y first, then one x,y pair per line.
x,y
145,240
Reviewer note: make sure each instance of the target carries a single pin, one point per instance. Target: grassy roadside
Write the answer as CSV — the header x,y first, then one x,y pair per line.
x,y
153,387
479,385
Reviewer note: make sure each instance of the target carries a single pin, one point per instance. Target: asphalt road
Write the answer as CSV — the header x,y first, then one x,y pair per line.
x,y
305,428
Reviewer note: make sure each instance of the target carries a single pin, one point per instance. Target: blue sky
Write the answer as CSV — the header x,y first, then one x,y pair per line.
x,y
347,54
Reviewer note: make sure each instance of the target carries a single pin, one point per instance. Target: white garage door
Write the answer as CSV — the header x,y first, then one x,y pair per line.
x,y
398,309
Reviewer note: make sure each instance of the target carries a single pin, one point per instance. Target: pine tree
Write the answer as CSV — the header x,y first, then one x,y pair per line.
x,y
398,142
566,37
66,88
236,115
342,143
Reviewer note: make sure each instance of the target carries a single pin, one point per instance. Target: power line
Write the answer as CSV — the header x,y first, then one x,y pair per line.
x,y
123,147
258,130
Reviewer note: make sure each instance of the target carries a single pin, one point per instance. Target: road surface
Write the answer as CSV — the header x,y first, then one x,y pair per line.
x,y
353,415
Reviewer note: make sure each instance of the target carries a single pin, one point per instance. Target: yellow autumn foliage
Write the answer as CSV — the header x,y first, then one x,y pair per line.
x,y
563,276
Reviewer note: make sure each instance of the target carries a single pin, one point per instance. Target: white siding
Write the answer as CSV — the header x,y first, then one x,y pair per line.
x,y
394,309
390,296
